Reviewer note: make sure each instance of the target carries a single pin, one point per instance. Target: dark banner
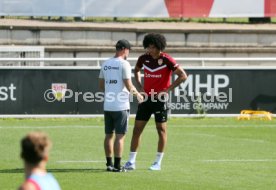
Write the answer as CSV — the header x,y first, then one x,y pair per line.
x,y
75,91
225,91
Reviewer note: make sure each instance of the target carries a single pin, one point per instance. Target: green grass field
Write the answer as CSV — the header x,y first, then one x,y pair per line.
x,y
207,154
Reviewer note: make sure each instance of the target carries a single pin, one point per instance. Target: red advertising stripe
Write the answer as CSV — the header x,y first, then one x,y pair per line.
x,y
189,8
270,8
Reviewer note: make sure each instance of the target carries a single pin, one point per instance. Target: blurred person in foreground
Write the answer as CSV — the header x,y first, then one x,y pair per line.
x,y
158,69
35,147
115,81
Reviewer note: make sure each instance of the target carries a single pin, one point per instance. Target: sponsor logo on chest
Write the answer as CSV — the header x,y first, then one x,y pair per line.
x,y
152,76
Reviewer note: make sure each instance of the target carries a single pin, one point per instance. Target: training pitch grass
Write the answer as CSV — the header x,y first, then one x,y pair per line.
x,y
207,154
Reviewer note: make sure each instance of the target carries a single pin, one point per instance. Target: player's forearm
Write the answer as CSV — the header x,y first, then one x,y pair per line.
x,y
177,82
138,80
101,85
130,87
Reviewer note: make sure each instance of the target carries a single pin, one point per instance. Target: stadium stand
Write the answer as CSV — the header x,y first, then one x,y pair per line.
x,y
86,40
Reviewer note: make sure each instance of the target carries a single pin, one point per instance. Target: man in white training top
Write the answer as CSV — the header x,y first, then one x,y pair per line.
x,y
115,81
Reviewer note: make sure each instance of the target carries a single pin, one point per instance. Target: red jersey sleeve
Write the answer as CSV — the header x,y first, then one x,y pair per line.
x,y
171,63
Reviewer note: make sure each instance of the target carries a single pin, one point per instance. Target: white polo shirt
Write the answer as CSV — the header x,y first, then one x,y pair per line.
x,y
114,71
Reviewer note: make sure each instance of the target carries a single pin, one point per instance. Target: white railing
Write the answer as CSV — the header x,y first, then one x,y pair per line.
x,y
98,60
22,52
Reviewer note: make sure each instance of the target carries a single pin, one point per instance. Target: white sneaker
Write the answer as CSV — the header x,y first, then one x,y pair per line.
x,y
130,166
155,166
109,168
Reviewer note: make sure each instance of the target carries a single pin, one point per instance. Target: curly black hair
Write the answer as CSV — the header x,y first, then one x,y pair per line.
x,y
158,40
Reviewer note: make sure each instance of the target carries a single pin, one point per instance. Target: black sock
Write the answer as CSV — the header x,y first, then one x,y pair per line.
x,y
117,162
109,161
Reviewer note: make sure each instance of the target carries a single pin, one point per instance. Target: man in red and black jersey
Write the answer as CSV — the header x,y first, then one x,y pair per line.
x,y
158,68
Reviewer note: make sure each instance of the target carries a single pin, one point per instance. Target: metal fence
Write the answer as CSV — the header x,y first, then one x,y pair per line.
x,y
203,60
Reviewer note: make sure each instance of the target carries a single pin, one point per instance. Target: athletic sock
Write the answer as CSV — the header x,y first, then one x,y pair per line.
x,y
132,157
159,157
117,162
109,161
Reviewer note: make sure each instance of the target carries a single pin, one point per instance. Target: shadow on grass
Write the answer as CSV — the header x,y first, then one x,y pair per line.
x,y
65,170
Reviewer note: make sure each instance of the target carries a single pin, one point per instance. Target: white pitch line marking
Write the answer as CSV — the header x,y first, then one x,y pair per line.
x,y
87,161
172,126
221,126
48,127
202,134
241,160
80,161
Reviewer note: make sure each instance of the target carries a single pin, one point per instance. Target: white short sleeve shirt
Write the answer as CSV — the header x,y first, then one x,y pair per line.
x,y
114,71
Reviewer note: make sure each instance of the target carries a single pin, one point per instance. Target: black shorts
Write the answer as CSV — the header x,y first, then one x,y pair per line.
x,y
116,121
158,108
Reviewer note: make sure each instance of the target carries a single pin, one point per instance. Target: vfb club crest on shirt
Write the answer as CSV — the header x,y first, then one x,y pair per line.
x,y
59,90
